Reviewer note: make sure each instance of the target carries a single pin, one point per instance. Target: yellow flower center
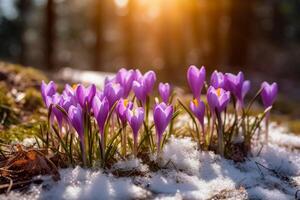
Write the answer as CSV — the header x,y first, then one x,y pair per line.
x,y
74,86
219,92
125,102
196,102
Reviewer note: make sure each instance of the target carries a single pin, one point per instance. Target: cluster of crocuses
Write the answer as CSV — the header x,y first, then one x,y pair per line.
x,y
223,88
124,100
102,118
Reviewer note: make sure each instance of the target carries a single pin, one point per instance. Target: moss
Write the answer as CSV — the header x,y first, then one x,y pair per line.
x,y
22,131
27,73
8,115
16,80
33,99
5,97
294,126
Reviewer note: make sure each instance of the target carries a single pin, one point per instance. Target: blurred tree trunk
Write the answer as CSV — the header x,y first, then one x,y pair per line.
x,y
241,16
214,16
164,42
50,34
278,22
23,6
97,27
178,39
197,29
128,29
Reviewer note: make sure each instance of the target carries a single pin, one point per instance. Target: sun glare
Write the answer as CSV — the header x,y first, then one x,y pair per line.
x,y
121,3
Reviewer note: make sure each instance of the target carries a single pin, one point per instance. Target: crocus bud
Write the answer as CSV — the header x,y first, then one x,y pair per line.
x,y
125,79
76,118
140,91
121,109
268,93
196,78
75,115
198,108
217,79
148,80
55,100
237,86
85,95
100,109
217,99
162,115
164,90
135,118
48,90
113,92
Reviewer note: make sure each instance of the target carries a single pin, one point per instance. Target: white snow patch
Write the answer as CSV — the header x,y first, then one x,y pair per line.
x,y
182,153
131,164
188,174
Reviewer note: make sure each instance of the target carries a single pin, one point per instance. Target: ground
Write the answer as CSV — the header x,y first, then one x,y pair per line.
x,y
272,172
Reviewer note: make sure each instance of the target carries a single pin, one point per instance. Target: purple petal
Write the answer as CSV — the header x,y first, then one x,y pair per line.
x,y
164,91
76,119
196,79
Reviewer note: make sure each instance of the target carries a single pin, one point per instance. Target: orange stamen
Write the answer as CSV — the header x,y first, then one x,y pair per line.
x,y
196,102
125,102
74,86
219,92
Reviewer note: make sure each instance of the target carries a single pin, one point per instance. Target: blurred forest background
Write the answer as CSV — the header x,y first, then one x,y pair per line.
x,y
260,37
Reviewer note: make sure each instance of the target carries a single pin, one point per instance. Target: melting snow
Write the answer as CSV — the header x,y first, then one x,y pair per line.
x,y
272,173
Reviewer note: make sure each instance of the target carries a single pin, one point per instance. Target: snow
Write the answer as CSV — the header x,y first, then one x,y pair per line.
x,y
132,164
272,173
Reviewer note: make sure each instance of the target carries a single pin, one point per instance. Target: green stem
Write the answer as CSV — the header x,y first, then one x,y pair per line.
x,y
135,146
267,130
220,135
212,128
124,138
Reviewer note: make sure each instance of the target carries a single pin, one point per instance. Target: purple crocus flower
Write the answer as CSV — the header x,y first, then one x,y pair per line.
x,y
143,86
85,95
68,97
113,92
217,99
148,80
135,118
75,115
196,78
164,90
48,90
162,115
56,100
125,79
140,91
138,75
198,108
76,118
237,86
268,93
69,91
100,109
217,80
121,109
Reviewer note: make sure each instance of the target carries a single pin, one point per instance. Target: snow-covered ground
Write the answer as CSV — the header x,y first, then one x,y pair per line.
x,y
187,174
